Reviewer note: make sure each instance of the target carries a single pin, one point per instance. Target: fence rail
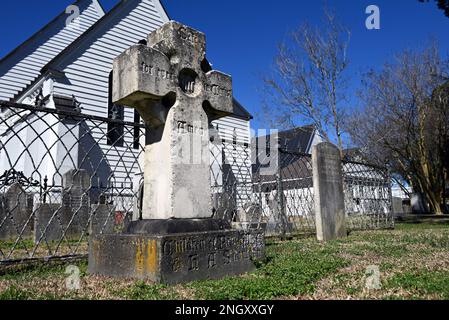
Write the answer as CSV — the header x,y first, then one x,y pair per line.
x,y
65,175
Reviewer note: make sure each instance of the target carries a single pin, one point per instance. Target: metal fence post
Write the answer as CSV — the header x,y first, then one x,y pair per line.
x,y
280,201
390,196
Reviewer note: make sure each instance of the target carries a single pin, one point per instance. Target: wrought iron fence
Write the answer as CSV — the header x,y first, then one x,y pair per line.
x,y
65,175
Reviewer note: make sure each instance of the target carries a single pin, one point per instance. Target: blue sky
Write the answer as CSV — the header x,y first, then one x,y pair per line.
x,y
242,35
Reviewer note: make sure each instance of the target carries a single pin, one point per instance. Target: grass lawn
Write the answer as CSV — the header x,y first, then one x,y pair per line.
x,y
413,262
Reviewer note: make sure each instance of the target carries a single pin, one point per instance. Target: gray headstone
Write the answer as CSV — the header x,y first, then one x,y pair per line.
x,y
48,222
251,211
278,223
418,204
177,94
398,208
328,192
224,206
176,258
75,203
103,219
16,214
138,196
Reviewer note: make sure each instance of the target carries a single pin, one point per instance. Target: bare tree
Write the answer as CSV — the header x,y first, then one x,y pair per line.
x,y
405,121
442,5
308,83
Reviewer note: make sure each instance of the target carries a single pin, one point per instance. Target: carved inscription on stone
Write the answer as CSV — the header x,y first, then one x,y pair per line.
x,y
193,262
186,35
157,72
217,90
186,128
198,252
330,168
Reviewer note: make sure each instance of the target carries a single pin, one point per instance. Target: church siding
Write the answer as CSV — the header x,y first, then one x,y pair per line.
x,y
21,68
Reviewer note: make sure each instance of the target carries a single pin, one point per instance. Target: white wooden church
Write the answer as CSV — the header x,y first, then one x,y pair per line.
x,y
74,61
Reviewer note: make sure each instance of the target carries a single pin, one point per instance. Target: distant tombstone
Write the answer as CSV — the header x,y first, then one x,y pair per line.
x,y
75,202
418,204
103,219
48,222
398,209
15,214
138,196
251,212
328,192
223,206
277,223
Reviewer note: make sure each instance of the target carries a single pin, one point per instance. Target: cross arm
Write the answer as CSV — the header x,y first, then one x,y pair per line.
x,y
141,74
218,94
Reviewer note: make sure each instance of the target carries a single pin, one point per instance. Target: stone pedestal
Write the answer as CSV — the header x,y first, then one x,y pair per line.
x,y
160,251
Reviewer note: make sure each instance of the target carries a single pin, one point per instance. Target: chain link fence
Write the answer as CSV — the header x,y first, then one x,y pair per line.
x,y
368,198
65,175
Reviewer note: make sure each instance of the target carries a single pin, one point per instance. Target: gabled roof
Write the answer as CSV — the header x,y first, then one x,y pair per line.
x,y
49,26
41,47
298,139
96,26
240,111
293,159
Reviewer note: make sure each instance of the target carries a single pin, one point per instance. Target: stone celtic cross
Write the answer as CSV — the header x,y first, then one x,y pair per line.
x,y
177,94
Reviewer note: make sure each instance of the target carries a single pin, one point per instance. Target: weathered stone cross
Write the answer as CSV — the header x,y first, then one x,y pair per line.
x,y
172,86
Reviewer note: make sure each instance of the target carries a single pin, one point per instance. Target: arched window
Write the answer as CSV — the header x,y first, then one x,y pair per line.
x,y
234,139
115,133
137,130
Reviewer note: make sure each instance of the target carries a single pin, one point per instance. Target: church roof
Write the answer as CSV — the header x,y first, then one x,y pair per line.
x,y
298,139
91,30
20,67
240,111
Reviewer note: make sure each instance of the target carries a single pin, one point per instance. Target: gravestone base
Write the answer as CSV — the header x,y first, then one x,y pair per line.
x,y
177,257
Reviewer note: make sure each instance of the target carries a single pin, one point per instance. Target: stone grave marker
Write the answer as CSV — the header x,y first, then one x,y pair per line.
x,y
48,225
102,220
171,84
15,214
250,216
69,218
328,192
75,203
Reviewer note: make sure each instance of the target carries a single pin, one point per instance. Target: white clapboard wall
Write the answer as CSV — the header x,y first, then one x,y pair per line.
x,y
23,65
235,132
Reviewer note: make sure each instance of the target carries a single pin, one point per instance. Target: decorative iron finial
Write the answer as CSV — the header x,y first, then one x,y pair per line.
x,y
75,104
39,100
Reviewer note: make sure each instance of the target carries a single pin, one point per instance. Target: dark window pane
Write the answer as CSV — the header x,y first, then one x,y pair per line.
x,y
115,130
136,144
